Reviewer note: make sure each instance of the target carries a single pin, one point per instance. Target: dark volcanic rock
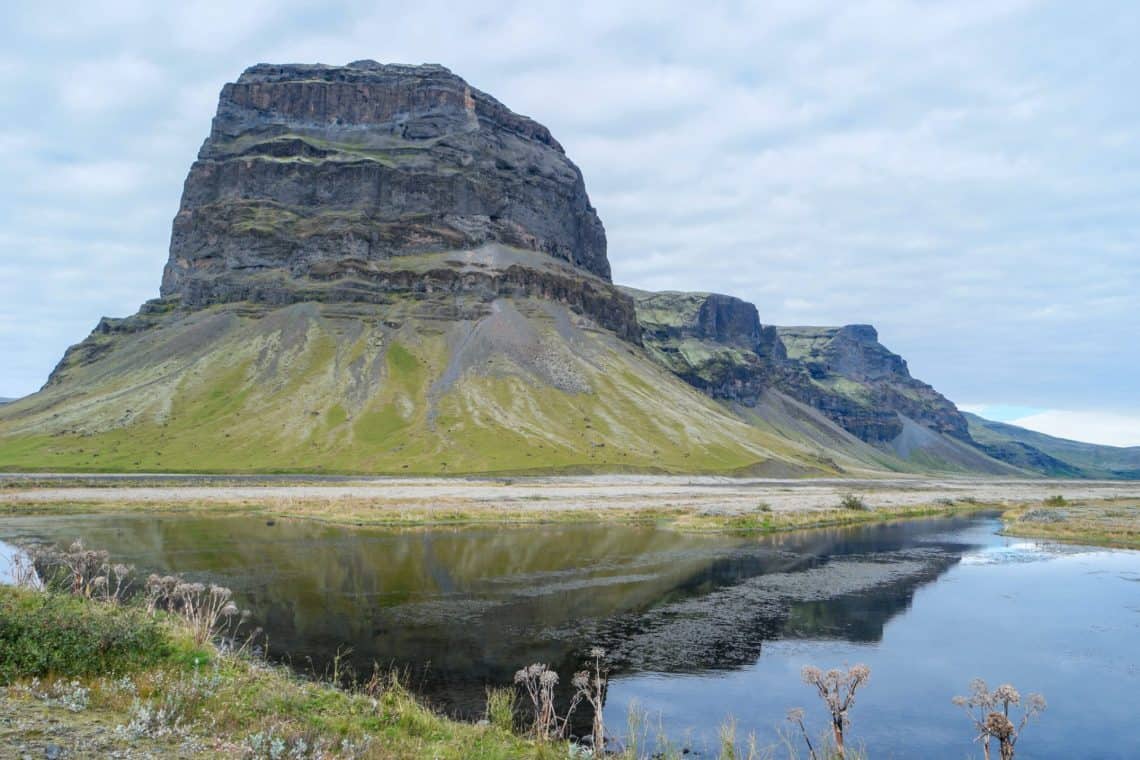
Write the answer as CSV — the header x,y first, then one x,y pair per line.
x,y
849,362
321,172
717,343
714,342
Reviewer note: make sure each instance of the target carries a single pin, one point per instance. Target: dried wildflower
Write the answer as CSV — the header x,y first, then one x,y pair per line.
x,y
990,714
591,685
538,681
837,690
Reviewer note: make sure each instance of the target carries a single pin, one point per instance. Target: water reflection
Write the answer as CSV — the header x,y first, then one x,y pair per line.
x,y
466,607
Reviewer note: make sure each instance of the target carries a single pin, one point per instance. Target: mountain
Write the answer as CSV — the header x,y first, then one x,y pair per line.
x,y
1055,457
769,374
379,268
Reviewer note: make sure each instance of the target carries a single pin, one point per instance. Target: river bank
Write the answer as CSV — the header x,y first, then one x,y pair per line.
x,y
1096,512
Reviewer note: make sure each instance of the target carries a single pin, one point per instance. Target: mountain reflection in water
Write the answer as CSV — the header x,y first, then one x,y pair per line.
x,y
463,608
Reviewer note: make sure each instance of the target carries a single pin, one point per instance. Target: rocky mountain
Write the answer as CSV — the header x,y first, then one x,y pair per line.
x,y
379,268
718,344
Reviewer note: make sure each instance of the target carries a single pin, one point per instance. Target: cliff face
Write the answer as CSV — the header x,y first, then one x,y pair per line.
x,y
717,343
713,342
341,183
865,385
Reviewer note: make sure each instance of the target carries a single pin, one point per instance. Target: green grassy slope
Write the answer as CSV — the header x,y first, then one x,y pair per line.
x,y
1057,456
402,388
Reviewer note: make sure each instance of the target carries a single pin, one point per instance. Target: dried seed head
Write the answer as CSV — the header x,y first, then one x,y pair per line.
x,y
1006,693
998,725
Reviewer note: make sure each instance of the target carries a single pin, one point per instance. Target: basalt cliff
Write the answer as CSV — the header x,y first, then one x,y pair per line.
x,y
379,268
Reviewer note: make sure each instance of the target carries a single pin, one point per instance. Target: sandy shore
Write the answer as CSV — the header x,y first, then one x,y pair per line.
x,y
632,492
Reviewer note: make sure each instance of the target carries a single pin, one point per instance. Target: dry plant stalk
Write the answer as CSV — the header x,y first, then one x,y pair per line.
x,y
837,690
83,572
591,684
22,569
208,609
539,681
989,712
796,718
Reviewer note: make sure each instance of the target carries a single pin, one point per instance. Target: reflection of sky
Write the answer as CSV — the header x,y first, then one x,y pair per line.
x,y
1063,624
7,553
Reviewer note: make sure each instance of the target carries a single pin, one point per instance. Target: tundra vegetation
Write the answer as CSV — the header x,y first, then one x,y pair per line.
x,y
165,665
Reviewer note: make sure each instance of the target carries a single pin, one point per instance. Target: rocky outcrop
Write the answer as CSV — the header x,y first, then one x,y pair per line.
x,y
714,342
849,363
317,175
717,343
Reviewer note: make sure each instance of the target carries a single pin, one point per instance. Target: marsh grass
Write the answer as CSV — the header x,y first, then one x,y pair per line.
x,y
502,705
1112,523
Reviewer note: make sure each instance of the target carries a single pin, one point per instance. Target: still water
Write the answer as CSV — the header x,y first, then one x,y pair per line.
x,y
698,627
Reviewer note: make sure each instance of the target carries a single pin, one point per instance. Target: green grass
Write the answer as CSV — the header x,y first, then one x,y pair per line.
x,y
1112,523
126,660
297,390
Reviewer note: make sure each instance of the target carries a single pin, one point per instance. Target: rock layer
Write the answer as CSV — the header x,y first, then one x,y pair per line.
x,y
322,173
717,343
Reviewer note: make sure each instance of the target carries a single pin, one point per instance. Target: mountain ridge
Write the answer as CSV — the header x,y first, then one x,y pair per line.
x,y
1052,455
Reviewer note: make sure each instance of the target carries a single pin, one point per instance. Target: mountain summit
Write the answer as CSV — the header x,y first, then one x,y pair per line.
x,y
379,268
314,175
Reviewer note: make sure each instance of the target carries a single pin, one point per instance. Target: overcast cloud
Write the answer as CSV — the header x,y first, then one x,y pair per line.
x,y
963,175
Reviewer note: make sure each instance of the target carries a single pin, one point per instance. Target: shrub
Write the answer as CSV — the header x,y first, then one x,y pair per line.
x,y
853,503
1056,500
64,635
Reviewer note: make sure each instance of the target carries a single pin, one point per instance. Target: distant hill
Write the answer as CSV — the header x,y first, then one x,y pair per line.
x,y
1056,457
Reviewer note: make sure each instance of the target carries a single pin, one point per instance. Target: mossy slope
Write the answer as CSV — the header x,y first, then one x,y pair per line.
x,y
522,385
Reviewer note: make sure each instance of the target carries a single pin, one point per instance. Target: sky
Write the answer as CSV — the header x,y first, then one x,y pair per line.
x,y
963,175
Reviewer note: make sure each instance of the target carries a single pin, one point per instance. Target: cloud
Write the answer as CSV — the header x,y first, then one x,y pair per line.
x,y
1092,427
94,86
962,175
